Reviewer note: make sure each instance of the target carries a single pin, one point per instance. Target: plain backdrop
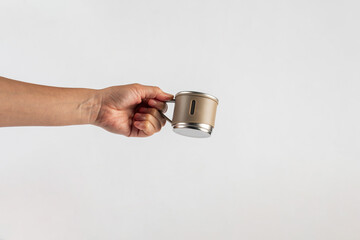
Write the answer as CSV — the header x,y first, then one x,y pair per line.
x,y
284,158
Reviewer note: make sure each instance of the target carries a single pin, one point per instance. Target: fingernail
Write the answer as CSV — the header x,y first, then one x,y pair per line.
x,y
138,124
137,116
142,109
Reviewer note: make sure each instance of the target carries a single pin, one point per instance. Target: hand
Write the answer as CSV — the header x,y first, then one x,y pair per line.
x,y
132,110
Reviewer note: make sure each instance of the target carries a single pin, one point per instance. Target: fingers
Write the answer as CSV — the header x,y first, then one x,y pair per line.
x,y
161,106
149,120
147,92
146,127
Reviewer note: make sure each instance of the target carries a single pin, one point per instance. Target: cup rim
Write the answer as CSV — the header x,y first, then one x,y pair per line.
x,y
200,94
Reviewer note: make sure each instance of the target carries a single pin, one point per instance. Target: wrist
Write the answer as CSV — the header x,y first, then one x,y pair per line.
x,y
90,107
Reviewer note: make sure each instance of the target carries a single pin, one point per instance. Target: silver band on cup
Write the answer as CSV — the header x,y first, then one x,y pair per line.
x,y
187,129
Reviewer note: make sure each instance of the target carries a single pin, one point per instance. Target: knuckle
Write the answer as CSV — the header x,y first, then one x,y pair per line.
x,y
147,117
160,105
153,111
136,86
148,125
148,129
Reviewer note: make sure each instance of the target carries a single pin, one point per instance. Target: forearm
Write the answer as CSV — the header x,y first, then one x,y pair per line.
x,y
25,104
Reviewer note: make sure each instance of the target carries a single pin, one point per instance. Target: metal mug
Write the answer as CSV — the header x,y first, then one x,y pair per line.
x,y
194,114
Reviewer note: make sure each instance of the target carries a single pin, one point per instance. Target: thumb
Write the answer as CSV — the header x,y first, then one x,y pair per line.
x,y
147,92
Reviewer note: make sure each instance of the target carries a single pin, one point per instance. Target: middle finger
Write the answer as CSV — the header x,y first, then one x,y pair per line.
x,y
161,106
155,113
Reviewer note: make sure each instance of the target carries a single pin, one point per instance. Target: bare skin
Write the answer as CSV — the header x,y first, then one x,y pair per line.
x,y
131,110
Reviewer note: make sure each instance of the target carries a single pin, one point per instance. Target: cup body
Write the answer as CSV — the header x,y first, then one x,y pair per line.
x,y
194,114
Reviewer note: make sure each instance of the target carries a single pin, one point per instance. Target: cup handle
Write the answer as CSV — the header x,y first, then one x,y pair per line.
x,y
166,117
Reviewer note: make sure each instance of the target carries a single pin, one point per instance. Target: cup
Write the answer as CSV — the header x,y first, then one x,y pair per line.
x,y
194,114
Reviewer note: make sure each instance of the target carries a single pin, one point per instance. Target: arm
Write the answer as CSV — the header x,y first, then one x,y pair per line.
x,y
25,104
126,109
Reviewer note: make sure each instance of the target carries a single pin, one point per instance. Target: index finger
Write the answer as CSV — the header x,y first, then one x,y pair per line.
x,y
159,105
154,92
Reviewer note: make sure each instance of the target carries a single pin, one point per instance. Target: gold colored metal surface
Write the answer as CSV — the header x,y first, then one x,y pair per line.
x,y
194,114
205,109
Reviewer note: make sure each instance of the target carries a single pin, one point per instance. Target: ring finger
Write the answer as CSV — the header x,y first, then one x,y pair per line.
x,y
155,113
148,117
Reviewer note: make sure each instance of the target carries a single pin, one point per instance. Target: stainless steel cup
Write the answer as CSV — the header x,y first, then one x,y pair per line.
x,y
194,114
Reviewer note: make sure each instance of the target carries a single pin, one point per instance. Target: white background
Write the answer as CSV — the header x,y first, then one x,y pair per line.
x,y
284,158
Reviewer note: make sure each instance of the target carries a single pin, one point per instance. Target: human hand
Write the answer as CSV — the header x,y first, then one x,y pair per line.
x,y
132,110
